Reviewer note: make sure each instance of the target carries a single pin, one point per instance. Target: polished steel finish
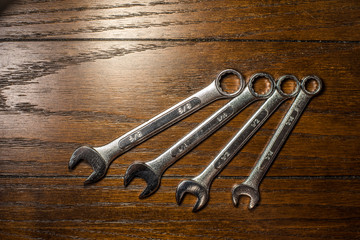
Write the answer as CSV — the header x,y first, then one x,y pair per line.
x,y
250,187
200,185
101,157
152,171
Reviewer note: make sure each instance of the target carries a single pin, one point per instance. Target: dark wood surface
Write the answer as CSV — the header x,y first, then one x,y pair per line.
x,y
86,72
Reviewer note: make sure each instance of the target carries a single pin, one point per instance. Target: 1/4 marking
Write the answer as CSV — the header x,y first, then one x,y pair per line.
x,y
222,117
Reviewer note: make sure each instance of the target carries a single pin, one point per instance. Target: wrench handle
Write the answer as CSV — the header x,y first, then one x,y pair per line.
x,y
202,131
211,124
241,138
156,124
170,116
280,136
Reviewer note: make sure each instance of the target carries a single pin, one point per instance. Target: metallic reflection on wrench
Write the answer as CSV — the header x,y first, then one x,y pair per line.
x,y
250,187
152,171
200,185
100,158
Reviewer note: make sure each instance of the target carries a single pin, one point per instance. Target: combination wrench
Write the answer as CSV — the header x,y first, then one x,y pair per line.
x,y
152,171
250,187
200,185
101,157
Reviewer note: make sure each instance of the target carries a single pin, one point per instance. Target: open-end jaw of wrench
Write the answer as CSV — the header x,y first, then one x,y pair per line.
x,y
200,185
152,171
100,158
250,187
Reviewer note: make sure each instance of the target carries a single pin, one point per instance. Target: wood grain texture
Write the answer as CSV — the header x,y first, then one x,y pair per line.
x,y
287,20
86,72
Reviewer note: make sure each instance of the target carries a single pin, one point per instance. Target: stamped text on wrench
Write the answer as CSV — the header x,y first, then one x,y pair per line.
x,y
100,158
152,171
250,187
200,185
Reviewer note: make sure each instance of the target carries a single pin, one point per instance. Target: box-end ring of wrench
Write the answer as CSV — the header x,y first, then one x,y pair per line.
x,y
250,187
152,171
100,158
200,185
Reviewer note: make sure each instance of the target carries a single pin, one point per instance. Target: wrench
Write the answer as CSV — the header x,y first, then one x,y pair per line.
x,y
250,187
100,158
200,185
152,171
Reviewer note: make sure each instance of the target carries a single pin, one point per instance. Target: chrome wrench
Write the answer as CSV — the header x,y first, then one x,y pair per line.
x,y
152,171
100,158
200,185
250,187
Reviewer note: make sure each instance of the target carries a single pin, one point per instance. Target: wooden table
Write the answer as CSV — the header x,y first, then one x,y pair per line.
x,y
85,72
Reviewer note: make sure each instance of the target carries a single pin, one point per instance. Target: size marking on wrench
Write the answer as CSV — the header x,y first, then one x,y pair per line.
x,y
152,171
252,127
100,158
200,185
250,187
221,118
145,131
